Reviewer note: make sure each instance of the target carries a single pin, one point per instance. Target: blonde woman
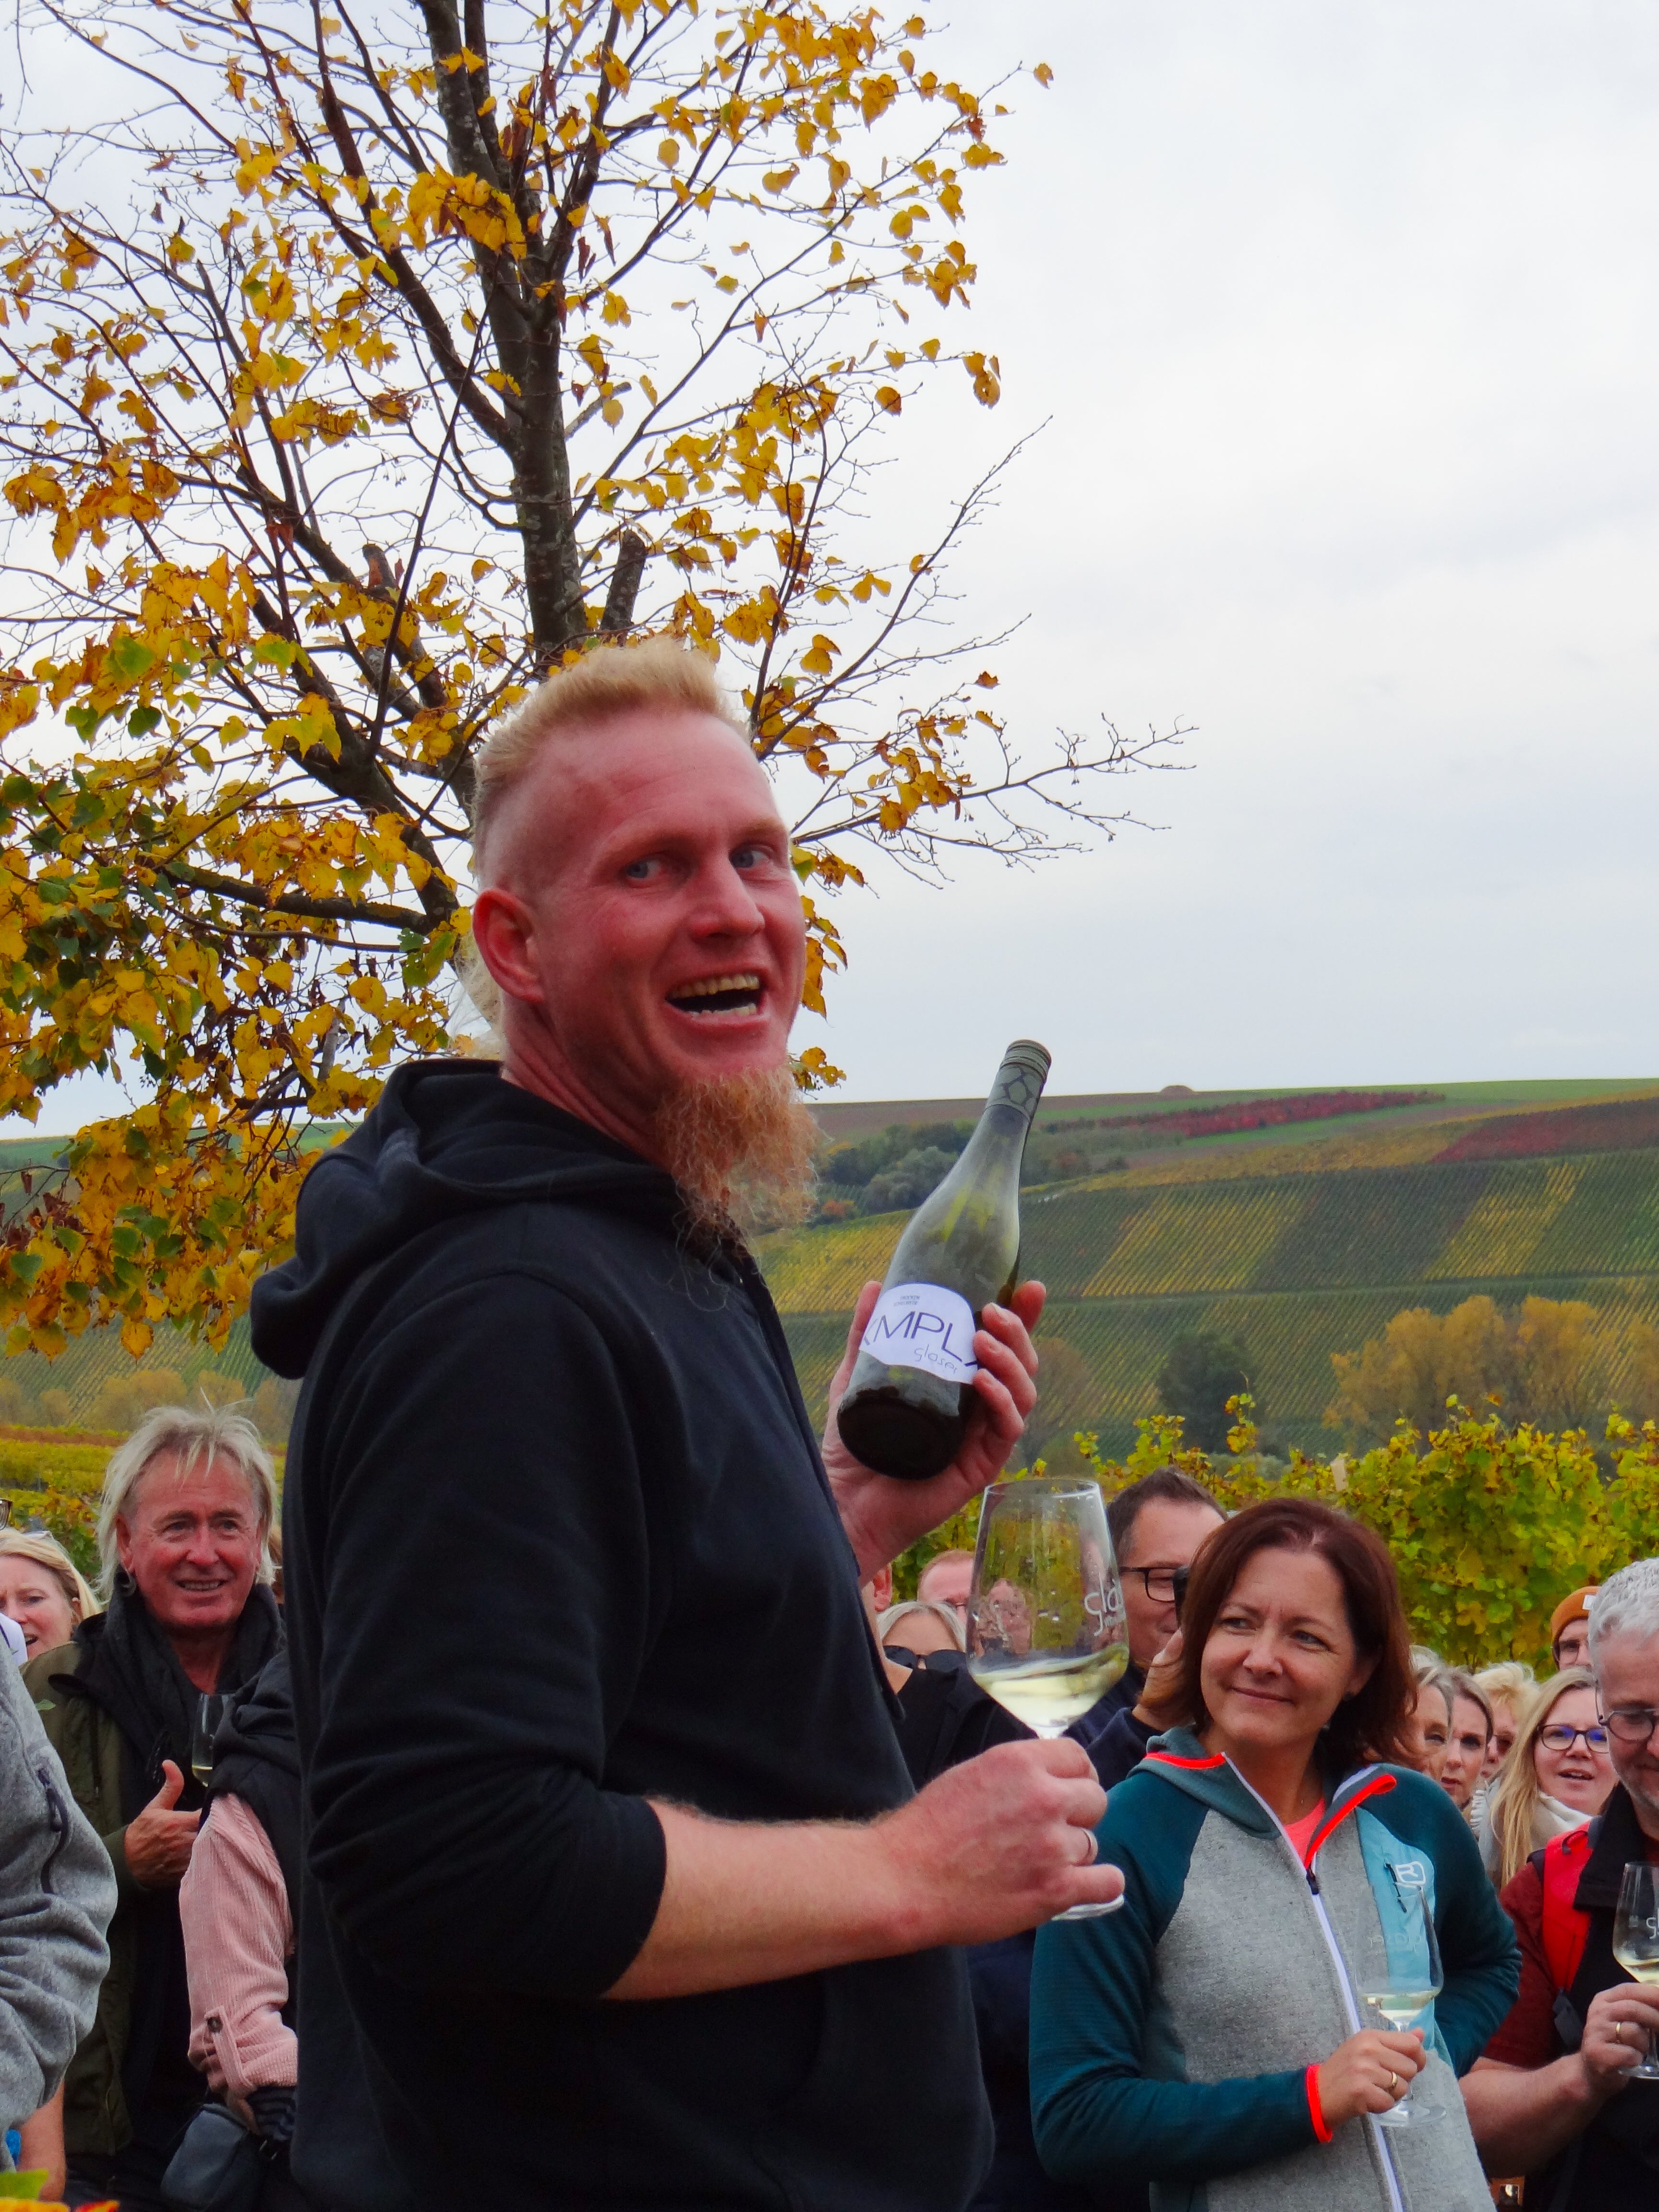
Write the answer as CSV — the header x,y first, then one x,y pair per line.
x,y
921,1626
1559,1775
1508,1686
42,1590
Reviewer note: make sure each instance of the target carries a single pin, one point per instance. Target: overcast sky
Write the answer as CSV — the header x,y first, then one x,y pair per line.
x,y
1346,319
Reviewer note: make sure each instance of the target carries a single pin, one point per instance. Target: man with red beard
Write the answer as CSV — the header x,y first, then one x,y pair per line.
x,y
614,1875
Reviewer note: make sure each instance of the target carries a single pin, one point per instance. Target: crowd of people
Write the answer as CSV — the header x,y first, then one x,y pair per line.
x,y
578,1820
1282,1767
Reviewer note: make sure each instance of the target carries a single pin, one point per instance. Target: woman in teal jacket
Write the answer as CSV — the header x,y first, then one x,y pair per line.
x,y
1207,2038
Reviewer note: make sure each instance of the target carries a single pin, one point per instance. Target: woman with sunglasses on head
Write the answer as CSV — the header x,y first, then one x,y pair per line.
x,y
1558,1776
1208,2037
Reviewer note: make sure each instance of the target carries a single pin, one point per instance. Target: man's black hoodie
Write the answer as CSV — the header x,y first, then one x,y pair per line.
x,y
557,1540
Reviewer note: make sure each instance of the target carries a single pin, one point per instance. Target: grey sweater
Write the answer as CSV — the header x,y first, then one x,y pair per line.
x,y
57,1895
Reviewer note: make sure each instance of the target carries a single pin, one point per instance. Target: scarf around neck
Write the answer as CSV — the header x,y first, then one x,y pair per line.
x,y
132,1672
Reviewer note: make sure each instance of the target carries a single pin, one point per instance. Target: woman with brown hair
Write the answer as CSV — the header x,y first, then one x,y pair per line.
x,y
1557,1777
1208,2038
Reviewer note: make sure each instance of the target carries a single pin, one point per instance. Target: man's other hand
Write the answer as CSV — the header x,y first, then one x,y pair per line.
x,y
1001,1842
159,1841
883,1517
1616,2030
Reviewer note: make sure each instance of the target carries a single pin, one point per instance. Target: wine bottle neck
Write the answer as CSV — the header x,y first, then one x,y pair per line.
x,y
1018,1087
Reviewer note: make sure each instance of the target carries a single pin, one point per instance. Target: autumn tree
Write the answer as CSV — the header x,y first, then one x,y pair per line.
x,y
1547,1364
358,370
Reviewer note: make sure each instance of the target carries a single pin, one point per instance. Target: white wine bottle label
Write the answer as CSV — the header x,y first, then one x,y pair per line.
x,y
926,1326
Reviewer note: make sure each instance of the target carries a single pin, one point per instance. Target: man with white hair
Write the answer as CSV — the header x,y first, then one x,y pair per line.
x,y
187,1506
1552,2097
616,1873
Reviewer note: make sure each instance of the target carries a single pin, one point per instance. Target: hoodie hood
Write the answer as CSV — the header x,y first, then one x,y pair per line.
x,y
448,1136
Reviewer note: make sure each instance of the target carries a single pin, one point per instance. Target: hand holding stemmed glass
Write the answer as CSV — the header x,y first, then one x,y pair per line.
x,y
1636,1943
1400,1977
1046,1631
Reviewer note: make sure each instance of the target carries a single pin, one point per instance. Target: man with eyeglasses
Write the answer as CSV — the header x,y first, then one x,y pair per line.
x,y
1552,2097
1570,1629
1157,1526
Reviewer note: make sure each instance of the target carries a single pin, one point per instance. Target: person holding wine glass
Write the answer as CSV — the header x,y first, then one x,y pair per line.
x,y
1210,2036
1562,2092
614,1867
187,1501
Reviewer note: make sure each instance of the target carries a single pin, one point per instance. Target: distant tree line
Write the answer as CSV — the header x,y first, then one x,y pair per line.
x,y
1553,1362
123,1399
895,1168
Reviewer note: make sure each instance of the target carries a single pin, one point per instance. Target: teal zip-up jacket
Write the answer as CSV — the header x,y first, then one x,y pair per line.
x,y
1172,2042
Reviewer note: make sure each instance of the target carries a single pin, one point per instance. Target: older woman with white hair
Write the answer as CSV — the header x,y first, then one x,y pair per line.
x,y
183,1529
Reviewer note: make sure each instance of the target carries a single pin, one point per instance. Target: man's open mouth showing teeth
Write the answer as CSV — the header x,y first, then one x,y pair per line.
x,y
718,994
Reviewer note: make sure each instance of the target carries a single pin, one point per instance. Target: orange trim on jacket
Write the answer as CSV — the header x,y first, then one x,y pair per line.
x,y
1378,1786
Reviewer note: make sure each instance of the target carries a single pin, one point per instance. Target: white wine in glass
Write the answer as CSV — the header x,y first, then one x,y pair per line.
x,y
1046,1632
1635,1942
1400,1977
209,1711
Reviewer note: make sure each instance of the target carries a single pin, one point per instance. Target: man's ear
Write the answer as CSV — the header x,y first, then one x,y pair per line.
x,y
504,930
881,1588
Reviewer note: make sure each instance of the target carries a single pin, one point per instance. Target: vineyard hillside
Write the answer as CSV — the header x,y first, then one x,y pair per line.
x,y
1298,1220
1305,1248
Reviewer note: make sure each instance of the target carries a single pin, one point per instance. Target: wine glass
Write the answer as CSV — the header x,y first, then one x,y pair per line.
x,y
1400,1977
1636,1943
209,1711
1045,1634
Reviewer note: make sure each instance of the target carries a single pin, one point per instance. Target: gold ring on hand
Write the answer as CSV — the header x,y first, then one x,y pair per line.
x,y
1393,2083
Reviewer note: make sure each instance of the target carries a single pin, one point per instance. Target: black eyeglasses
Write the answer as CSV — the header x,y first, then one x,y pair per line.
x,y
1631,1723
1559,1737
1161,1583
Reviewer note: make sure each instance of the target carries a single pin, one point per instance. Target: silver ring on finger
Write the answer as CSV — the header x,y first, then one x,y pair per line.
x,y
1093,1842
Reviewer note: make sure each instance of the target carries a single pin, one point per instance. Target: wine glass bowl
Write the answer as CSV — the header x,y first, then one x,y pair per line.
x,y
1400,1977
210,1709
1636,1943
1046,1630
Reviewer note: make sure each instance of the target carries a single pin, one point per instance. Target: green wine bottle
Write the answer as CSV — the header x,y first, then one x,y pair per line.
x,y
906,1407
